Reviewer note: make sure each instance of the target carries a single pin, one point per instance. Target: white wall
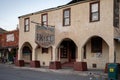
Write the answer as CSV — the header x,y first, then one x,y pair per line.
x,y
92,58
43,57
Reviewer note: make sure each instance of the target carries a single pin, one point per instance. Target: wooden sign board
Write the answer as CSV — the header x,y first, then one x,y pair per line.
x,y
45,36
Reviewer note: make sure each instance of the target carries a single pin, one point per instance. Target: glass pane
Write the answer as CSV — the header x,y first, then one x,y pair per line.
x,y
26,21
94,16
44,17
95,7
67,21
66,13
26,28
44,23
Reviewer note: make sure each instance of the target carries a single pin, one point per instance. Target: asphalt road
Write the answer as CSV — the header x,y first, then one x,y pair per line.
x,y
10,73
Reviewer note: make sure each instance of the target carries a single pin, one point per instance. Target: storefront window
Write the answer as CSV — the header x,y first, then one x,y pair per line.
x,y
96,45
44,50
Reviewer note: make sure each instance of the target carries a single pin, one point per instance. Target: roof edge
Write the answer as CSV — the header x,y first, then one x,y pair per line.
x,y
55,8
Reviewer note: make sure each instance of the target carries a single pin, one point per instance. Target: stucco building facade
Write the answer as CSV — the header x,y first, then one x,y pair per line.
x,y
86,36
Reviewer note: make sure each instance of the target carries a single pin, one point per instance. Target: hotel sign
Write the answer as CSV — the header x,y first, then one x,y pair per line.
x,y
45,36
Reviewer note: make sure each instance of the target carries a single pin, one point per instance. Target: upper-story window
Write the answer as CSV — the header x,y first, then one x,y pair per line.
x,y
10,37
44,19
26,24
66,17
94,11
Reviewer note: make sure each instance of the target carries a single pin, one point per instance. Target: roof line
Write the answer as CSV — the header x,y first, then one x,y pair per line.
x,y
54,8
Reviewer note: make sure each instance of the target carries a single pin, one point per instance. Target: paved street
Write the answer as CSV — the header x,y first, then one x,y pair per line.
x,y
12,73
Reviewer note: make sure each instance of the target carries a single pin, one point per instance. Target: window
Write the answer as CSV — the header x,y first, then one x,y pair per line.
x,y
94,11
44,50
10,37
94,65
116,19
96,45
26,24
66,17
44,20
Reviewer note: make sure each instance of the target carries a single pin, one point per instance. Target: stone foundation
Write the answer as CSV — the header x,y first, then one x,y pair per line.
x,y
35,64
106,68
80,66
55,65
20,63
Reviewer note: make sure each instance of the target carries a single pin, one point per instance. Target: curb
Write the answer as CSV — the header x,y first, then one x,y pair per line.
x,y
60,71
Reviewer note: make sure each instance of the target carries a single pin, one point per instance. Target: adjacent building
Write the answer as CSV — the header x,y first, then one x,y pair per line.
x,y
9,45
83,34
1,32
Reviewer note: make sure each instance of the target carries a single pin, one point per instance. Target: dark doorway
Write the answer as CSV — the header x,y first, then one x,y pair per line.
x,y
68,50
27,53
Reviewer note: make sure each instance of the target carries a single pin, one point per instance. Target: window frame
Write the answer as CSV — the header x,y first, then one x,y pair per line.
x,y
64,18
42,22
91,13
26,25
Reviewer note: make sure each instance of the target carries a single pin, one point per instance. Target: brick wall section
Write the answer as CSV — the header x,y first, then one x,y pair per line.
x,y
11,43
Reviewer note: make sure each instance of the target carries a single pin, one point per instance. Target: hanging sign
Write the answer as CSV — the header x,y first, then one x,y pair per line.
x,y
45,36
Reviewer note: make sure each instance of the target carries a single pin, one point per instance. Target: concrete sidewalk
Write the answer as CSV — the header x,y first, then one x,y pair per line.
x,y
94,73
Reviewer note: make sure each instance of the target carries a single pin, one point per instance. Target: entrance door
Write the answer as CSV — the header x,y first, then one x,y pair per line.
x,y
68,51
72,52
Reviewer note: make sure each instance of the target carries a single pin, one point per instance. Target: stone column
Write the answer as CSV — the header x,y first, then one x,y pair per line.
x,y
54,64
54,57
19,55
19,62
80,65
34,63
111,55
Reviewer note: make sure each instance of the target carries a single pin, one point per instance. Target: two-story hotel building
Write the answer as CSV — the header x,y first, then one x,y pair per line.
x,y
85,35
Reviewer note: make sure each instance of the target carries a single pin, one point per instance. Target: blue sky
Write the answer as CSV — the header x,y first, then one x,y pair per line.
x,y
10,10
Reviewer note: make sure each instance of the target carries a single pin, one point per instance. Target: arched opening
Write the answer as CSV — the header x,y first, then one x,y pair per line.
x,y
67,52
27,52
12,56
96,53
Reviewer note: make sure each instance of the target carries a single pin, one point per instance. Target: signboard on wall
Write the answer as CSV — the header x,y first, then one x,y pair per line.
x,y
45,36
10,38
116,13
